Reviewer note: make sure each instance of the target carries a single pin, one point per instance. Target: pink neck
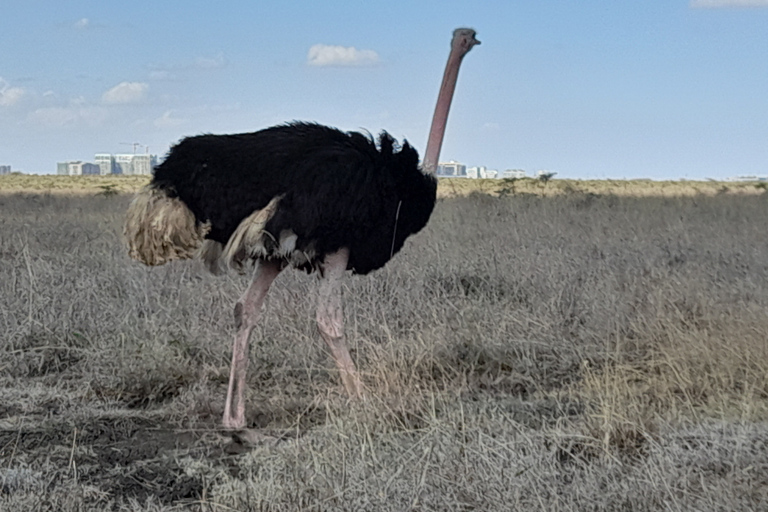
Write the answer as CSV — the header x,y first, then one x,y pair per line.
x,y
444,98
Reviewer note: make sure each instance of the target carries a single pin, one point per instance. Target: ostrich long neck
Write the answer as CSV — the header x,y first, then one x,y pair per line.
x,y
459,48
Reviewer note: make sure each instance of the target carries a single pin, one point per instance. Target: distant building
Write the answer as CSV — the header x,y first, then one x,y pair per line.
x,y
5,169
143,164
128,164
133,164
106,163
89,168
741,178
481,172
452,169
123,164
76,168
513,173
476,172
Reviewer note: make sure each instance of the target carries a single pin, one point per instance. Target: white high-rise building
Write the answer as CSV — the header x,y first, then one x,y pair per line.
x,y
143,164
452,169
134,164
480,172
123,164
76,168
106,163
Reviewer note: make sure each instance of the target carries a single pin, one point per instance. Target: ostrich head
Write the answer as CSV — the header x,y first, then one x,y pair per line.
x,y
463,41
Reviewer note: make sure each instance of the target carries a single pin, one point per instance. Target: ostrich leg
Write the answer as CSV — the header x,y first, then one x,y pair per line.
x,y
247,313
330,320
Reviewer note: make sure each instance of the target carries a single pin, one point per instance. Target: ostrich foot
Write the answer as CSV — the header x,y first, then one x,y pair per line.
x,y
246,439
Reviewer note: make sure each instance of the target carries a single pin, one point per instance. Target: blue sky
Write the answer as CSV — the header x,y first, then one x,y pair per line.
x,y
661,89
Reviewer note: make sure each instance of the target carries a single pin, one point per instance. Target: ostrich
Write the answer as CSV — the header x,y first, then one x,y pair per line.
x,y
301,195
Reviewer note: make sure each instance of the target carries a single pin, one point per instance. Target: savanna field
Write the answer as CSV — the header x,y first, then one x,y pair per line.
x,y
559,346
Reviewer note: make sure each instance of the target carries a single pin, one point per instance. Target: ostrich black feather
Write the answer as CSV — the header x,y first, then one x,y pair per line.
x,y
337,189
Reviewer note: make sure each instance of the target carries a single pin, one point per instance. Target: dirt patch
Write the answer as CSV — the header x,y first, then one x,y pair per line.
x,y
294,415
145,465
123,457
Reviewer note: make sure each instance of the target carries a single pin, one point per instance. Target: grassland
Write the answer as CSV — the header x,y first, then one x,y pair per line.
x,y
88,185
574,346
70,185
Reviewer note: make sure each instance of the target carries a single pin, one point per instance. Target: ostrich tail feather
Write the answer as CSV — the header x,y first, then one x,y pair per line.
x,y
249,239
159,228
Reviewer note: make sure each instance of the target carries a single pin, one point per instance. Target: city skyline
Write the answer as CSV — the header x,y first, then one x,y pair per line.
x,y
109,164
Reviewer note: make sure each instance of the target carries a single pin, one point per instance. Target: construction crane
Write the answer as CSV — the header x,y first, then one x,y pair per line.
x,y
135,145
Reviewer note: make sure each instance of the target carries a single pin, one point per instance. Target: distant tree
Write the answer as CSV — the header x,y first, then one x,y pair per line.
x,y
544,177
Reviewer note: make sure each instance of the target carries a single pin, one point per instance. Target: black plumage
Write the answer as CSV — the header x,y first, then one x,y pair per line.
x,y
337,189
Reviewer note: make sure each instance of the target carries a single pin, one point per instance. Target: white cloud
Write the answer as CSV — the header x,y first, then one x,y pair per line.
x,y
82,25
216,62
9,96
54,116
161,74
167,120
73,115
329,55
167,72
126,92
705,4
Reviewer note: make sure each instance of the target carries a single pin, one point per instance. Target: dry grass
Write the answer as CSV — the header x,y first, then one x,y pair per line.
x,y
88,185
581,351
632,188
70,185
